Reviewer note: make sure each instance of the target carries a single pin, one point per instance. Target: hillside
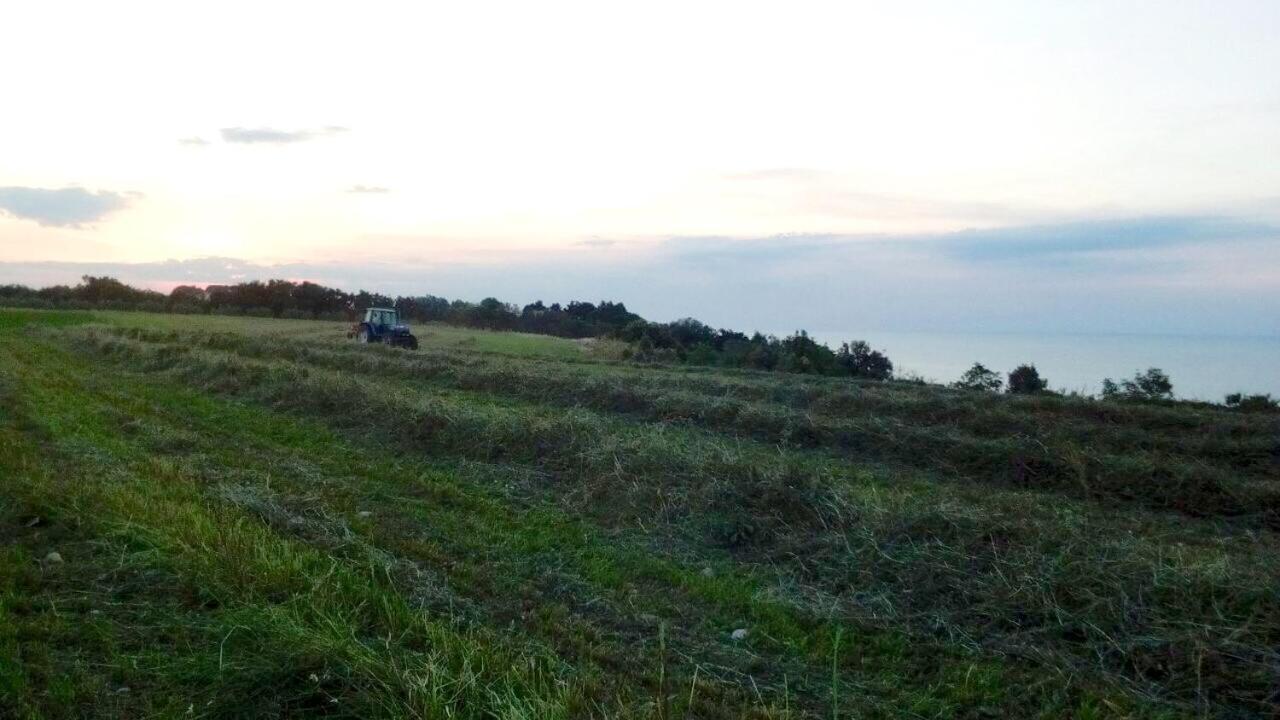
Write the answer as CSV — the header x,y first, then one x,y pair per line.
x,y
230,517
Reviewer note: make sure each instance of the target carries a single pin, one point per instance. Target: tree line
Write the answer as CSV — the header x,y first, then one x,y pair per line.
x,y
696,343
308,300
1151,385
687,341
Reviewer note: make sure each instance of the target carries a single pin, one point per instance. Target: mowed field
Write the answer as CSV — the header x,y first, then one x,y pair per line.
x,y
240,518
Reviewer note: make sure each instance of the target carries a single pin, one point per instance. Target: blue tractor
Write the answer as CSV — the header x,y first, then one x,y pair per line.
x,y
382,325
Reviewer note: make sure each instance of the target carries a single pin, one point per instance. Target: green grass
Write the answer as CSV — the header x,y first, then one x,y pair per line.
x,y
432,336
258,518
13,320
447,337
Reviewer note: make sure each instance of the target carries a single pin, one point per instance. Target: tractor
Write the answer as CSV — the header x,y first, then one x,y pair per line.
x,y
382,325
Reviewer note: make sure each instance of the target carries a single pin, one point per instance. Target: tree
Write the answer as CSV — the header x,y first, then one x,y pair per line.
x,y
724,338
1026,380
858,359
979,377
279,295
493,314
763,353
580,310
185,296
100,290
1153,384
632,331
803,354
689,332
431,308
613,315
701,354
318,299
1252,403
661,336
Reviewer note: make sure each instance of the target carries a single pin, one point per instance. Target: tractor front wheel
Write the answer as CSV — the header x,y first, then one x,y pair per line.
x,y
362,336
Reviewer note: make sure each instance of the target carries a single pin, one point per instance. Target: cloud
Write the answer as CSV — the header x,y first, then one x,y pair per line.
x,y
766,255
596,242
1145,243
65,207
1166,274
372,189
1097,239
193,141
275,136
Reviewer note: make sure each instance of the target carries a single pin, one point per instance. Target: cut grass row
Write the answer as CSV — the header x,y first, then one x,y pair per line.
x,y
1053,584
245,622
249,551
823,395
1242,441
432,336
1229,471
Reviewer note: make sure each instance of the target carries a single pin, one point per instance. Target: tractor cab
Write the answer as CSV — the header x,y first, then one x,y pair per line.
x,y
382,317
383,325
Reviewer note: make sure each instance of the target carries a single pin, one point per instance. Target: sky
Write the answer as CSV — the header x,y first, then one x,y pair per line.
x,y
986,166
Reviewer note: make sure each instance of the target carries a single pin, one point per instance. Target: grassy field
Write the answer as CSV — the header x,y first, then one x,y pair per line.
x,y
224,517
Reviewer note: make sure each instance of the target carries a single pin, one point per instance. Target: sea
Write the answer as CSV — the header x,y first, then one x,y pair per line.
x,y
1201,367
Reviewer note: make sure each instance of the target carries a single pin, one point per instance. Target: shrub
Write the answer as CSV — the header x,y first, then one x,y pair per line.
x,y
1026,380
979,377
1153,384
803,354
689,332
1252,403
701,354
912,377
859,360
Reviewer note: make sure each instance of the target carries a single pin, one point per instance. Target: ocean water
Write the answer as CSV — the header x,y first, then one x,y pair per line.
x,y
1201,367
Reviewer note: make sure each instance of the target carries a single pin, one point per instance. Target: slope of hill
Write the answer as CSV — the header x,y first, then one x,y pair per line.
x,y
228,517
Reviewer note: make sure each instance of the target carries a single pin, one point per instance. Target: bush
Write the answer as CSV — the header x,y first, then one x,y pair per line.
x,y
1252,403
701,354
979,377
1026,380
803,354
859,360
1153,384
